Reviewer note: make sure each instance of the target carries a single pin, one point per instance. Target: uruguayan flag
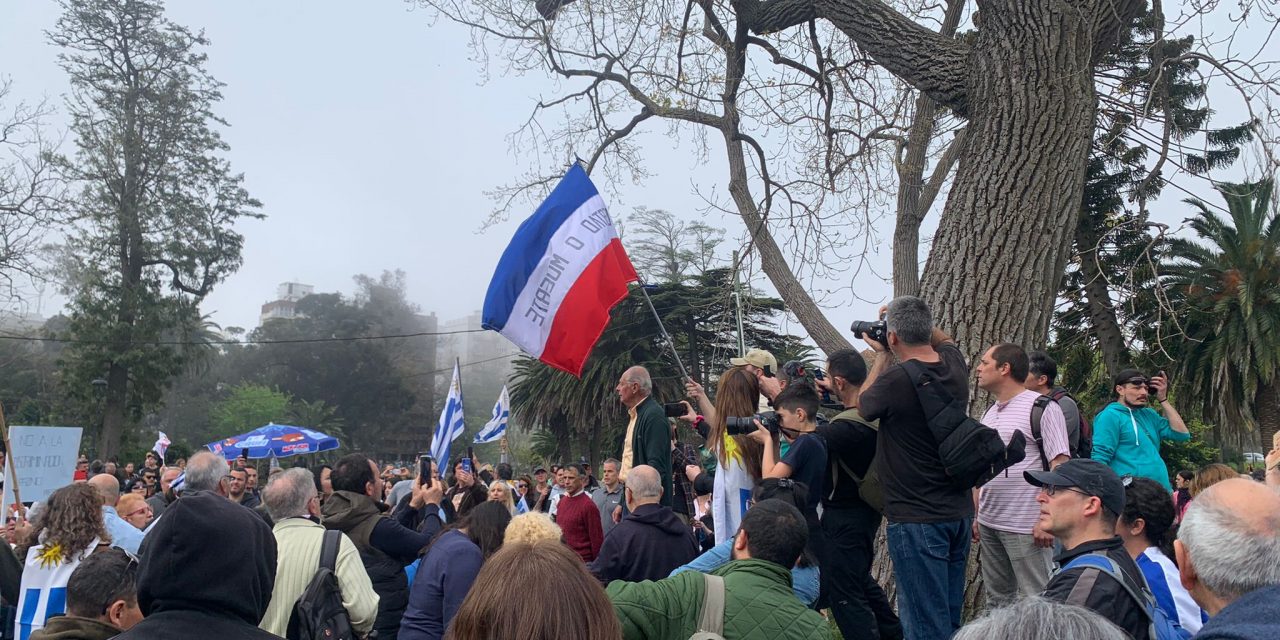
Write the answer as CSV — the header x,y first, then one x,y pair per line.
x,y
451,426
43,591
497,426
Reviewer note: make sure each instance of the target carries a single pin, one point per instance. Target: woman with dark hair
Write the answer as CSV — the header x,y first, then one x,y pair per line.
x,y
324,487
580,610
1146,526
1182,493
804,576
448,568
66,530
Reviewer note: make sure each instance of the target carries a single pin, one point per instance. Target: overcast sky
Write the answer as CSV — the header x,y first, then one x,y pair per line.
x,y
364,131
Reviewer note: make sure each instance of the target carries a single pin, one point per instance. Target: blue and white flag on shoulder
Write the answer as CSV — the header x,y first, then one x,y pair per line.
x,y
451,425
497,425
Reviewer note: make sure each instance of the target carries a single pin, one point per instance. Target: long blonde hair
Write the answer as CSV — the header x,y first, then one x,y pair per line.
x,y
737,395
506,500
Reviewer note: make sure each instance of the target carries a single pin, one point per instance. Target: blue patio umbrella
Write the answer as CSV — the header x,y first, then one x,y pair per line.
x,y
274,440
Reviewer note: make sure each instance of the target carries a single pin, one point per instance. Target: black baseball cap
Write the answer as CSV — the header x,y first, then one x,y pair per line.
x,y
1090,476
539,470
1130,375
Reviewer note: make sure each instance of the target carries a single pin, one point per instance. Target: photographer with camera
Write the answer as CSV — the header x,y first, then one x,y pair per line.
x,y
1127,432
758,363
806,459
849,521
930,517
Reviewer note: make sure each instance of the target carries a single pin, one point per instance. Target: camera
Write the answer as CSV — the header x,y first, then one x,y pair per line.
x,y
877,331
675,409
743,426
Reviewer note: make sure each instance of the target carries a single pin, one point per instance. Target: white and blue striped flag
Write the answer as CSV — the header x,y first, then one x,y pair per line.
x,y
451,425
497,425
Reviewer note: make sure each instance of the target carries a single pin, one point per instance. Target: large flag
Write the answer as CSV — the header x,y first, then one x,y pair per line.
x,y
497,425
563,272
451,425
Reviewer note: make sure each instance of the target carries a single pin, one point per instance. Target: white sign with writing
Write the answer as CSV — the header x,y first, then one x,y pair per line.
x,y
45,459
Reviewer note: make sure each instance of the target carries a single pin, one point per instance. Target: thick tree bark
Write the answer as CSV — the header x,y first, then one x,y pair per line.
x,y
1266,408
1102,314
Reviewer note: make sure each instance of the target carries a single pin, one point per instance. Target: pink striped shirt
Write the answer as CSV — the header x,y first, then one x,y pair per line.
x,y
1008,502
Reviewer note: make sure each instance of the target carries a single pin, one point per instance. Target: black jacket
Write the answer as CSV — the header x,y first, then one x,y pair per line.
x,y
207,571
385,547
1093,589
647,545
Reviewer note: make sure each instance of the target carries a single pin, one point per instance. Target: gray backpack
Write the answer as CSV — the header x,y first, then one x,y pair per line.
x,y
711,616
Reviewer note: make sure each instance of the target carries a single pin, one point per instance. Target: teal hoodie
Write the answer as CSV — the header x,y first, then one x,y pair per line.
x,y
1128,441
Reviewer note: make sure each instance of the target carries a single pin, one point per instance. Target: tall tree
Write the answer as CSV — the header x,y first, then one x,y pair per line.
x,y
158,206
668,249
1226,278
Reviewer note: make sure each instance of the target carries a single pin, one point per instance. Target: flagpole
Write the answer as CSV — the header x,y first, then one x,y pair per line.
x,y
12,467
684,375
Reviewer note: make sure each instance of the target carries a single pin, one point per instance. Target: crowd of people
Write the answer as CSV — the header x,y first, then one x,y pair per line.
x,y
753,514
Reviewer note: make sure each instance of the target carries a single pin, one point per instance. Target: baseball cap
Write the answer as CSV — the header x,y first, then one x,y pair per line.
x,y
540,470
758,358
1090,476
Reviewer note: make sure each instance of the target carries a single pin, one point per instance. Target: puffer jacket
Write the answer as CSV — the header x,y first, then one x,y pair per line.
x,y
356,515
759,605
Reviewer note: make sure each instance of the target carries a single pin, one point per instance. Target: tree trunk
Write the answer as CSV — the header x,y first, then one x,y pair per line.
x,y
113,411
1102,315
1266,408
1018,191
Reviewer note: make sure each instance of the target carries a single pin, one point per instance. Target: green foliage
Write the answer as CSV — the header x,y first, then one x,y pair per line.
x,y
158,201
1192,454
1225,280
247,407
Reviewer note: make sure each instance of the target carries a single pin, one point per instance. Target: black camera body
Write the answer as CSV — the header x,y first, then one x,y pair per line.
x,y
742,426
876,330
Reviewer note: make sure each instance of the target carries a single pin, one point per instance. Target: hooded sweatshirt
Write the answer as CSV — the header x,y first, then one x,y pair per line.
x,y
648,545
1128,441
207,571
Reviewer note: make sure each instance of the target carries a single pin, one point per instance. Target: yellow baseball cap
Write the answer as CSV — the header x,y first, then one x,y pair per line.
x,y
758,358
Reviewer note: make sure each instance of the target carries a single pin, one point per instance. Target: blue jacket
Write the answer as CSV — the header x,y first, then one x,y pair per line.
x,y
441,583
1254,616
1128,441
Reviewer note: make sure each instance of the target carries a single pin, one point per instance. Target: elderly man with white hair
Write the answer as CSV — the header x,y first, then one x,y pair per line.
x,y
648,439
651,542
292,501
1228,551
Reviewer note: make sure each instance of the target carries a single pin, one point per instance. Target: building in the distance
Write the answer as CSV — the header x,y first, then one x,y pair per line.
x,y
285,305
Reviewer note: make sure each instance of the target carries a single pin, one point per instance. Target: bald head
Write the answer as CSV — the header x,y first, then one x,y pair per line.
x,y
108,488
645,485
1228,542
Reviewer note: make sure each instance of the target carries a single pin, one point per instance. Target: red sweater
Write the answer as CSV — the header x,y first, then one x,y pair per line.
x,y
579,520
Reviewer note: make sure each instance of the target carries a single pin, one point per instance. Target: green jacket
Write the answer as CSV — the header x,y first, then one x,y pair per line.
x,y
651,443
759,605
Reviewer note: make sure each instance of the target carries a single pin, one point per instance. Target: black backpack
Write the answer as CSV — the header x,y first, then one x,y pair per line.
x,y
1083,449
318,614
972,453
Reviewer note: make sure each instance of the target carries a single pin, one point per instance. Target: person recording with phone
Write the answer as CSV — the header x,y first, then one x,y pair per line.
x,y
1127,433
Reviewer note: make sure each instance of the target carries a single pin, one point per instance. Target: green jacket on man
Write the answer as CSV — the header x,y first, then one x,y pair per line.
x,y
759,605
651,443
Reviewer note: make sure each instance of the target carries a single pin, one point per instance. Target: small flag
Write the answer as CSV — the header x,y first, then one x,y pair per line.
x,y
162,445
497,426
557,281
451,425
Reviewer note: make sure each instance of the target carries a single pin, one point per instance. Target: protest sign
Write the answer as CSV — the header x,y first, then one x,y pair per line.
x,y
44,459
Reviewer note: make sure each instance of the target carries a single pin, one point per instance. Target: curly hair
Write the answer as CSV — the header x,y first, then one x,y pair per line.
x,y
71,518
532,527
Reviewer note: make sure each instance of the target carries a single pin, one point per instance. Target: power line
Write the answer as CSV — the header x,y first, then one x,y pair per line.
x,y
395,336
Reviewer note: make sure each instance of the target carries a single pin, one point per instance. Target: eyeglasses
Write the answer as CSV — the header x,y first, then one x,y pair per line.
x,y
135,512
1051,490
521,485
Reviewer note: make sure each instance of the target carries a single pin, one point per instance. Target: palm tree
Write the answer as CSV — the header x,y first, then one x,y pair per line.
x,y
1228,280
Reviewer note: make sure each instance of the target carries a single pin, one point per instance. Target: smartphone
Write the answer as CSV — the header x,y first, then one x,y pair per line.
x,y
468,463
424,469
675,409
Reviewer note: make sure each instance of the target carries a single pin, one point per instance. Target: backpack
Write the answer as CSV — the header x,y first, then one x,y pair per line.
x,y
1162,627
1084,445
971,452
711,614
869,488
318,614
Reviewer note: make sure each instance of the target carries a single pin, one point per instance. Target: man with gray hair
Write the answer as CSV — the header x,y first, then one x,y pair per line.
x,y
206,471
651,542
930,517
292,501
1228,552
648,439
1037,618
